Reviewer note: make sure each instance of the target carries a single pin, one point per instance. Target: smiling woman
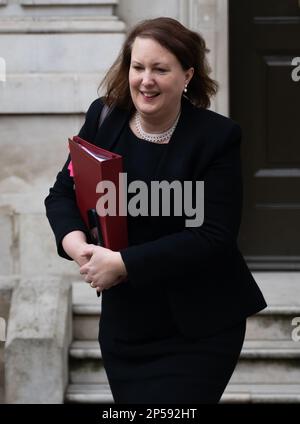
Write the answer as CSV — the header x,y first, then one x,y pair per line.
x,y
168,40
175,301
157,81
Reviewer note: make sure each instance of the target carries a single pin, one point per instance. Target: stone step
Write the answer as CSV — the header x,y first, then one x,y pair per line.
x,y
86,312
282,292
88,393
267,371
279,289
83,294
252,349
85,349
234,393
85,365
269,362
262,393
274,323
87,372
270,349
86,322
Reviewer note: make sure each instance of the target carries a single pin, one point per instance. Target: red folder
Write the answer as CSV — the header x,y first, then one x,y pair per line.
x,y
88,171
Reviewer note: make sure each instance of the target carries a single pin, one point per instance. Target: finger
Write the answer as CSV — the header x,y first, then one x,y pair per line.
x,y
84,269
88,279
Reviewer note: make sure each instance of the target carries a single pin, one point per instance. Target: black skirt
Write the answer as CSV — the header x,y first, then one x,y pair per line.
x,y
170,368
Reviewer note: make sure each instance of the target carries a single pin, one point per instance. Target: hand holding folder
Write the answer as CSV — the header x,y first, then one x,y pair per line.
x,y
91,165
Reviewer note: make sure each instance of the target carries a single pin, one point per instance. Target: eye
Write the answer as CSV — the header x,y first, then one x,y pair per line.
x,y
161,70
137,67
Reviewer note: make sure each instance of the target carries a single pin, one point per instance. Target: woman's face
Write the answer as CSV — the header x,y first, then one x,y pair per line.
x,y
156,78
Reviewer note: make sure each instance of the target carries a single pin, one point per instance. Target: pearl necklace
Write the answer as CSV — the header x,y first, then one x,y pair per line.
x,y
161,138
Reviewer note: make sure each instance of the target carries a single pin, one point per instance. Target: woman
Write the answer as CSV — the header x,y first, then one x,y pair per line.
x,y
175,302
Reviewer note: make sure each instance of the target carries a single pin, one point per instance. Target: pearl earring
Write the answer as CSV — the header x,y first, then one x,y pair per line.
x,y
185,88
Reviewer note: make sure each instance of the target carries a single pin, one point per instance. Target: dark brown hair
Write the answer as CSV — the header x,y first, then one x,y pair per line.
x,y
188,47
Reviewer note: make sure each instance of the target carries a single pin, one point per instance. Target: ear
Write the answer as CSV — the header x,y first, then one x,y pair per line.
x,y
189,75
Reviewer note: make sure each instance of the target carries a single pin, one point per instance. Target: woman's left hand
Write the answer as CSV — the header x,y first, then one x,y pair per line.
x,y
105,268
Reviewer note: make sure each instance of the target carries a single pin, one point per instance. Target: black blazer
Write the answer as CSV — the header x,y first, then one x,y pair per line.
x,y
207,281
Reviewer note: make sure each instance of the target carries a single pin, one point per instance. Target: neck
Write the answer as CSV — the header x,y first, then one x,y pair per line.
x,y
158,124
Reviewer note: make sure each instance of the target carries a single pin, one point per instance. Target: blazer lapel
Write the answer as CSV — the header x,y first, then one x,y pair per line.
x,y
182,143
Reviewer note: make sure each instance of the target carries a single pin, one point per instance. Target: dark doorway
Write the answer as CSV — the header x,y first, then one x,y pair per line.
x,y
265,99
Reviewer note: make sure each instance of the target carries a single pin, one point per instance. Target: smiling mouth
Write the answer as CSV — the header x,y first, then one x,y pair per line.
x,y
149,95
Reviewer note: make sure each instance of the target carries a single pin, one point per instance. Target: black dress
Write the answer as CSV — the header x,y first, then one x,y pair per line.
x,y
147,359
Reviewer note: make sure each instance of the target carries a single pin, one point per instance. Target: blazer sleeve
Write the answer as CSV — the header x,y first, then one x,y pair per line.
x,y
183,254
61,208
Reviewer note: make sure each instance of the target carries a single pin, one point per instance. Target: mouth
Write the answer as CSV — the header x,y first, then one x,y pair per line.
x,y
149,95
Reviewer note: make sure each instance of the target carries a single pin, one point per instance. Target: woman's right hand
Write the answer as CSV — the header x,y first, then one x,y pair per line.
x,y
74,244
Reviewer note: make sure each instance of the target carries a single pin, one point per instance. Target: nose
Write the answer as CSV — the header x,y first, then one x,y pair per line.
x,y
147,78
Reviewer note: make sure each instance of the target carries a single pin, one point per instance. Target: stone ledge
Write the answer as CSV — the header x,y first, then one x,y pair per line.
x,y
270,349
71,93
252,349
286,310
262,393
68,2
85,350
89,393
85,300
279,288
64,24
90,310
235,393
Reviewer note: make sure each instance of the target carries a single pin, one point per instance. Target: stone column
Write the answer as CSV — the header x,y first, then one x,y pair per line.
x,y
210,18
38,337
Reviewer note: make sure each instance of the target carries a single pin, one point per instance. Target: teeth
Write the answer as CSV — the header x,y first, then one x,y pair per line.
x,y
149,95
